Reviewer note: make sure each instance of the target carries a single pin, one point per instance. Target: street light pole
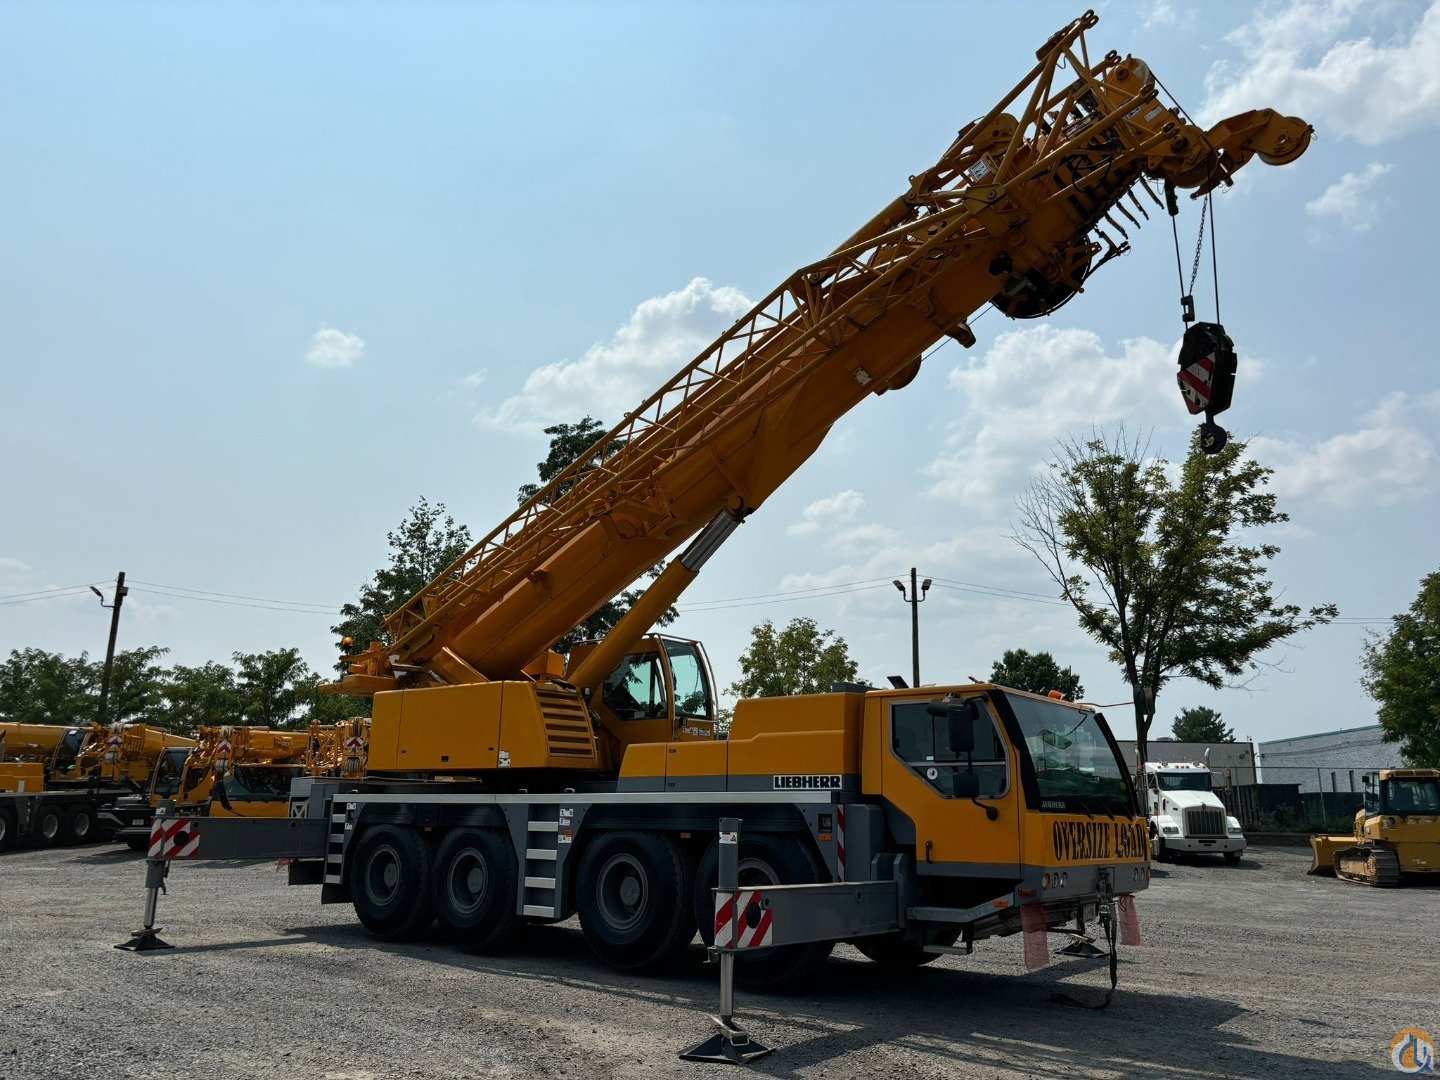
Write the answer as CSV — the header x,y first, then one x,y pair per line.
x,y
915,598
120,593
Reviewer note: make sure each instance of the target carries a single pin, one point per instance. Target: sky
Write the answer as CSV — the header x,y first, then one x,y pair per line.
x,y
272,273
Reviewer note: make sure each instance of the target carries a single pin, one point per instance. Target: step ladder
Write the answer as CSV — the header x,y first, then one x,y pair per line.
x,y
540,862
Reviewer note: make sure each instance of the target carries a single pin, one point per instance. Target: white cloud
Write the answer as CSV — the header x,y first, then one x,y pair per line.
x,y
1295,60
331,348
474,379
661,336
1387,459
1034,386
829,513
13,568
1350,198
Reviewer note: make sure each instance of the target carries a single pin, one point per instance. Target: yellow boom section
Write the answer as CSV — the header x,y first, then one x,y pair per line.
x,y
1015,212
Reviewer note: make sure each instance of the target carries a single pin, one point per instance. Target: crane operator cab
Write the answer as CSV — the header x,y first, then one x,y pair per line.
x,y
662,692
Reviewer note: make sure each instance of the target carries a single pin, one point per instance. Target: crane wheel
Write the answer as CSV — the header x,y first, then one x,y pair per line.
x,y
765,859
896,952
45,827
632,892
390,882
7,827
473,887
78,825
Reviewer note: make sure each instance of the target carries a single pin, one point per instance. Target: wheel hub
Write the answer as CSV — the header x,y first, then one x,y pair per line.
x,y
624,891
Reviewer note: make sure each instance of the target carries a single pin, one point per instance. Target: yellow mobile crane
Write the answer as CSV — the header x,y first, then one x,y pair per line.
x,y
57,783
238,771
505,782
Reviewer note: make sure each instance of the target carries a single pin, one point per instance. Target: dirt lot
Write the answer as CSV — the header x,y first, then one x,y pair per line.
x,y
1245,971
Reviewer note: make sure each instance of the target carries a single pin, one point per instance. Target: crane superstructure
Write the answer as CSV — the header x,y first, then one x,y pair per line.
x,y
504,783
1017,212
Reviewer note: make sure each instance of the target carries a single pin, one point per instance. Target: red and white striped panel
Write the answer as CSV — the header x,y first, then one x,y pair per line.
x,y
840,843
174,838
733,929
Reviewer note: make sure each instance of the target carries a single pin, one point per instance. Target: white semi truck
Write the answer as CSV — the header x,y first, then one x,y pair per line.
x,y
1186,816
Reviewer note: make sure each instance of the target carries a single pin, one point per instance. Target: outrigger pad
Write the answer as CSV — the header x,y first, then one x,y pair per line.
x,y
729,1046
144,941
1207,369
1082,947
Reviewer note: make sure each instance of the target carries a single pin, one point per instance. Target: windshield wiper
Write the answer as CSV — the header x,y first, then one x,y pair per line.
x,y
1084,802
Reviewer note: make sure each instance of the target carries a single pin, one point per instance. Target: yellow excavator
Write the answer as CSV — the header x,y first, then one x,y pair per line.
x,y
1397,832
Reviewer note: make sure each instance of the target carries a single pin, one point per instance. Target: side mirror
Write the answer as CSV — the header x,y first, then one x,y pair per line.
x,y
960,718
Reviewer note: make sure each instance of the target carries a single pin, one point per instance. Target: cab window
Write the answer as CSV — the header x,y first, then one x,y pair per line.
x,y
636,689
693,700
920,741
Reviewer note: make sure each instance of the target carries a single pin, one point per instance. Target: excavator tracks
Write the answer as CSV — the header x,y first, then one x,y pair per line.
x,y
1376,866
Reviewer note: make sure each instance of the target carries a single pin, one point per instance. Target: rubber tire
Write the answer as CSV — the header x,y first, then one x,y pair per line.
x,y
1232,858
137,843
663,925
7,828
45,827
398,911
785,860
1162,853
79,825
486,921
896,952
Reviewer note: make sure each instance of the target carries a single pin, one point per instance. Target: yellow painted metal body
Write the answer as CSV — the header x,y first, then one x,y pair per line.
x,y
481,727
22,776
1414,838
339,749
127,752
847,736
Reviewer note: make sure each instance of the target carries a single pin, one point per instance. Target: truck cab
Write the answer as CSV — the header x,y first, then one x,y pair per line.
x,y
1186,816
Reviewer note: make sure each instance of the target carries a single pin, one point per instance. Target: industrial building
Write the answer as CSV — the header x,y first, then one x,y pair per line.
x,y
1330,760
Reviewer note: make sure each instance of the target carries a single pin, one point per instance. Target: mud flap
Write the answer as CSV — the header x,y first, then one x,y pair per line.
x,y
1129,920
1037,936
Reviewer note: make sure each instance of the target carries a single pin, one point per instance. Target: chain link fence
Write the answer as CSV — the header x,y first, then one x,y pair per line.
x,y
1300,798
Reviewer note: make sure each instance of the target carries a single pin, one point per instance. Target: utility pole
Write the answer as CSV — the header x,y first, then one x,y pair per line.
x,y
120,593
915,598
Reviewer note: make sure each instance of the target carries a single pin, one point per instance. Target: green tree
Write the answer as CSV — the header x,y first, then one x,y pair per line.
x,y
569,443
200,696
1402,673
137,685
799,659
1036,672
1199,723
426,541
273,688
1160,571
39,687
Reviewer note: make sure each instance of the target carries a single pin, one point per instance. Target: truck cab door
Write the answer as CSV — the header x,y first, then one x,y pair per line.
x,y
661,692
924,779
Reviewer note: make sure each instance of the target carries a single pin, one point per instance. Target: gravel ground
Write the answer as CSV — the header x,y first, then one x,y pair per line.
x,y
1245,971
